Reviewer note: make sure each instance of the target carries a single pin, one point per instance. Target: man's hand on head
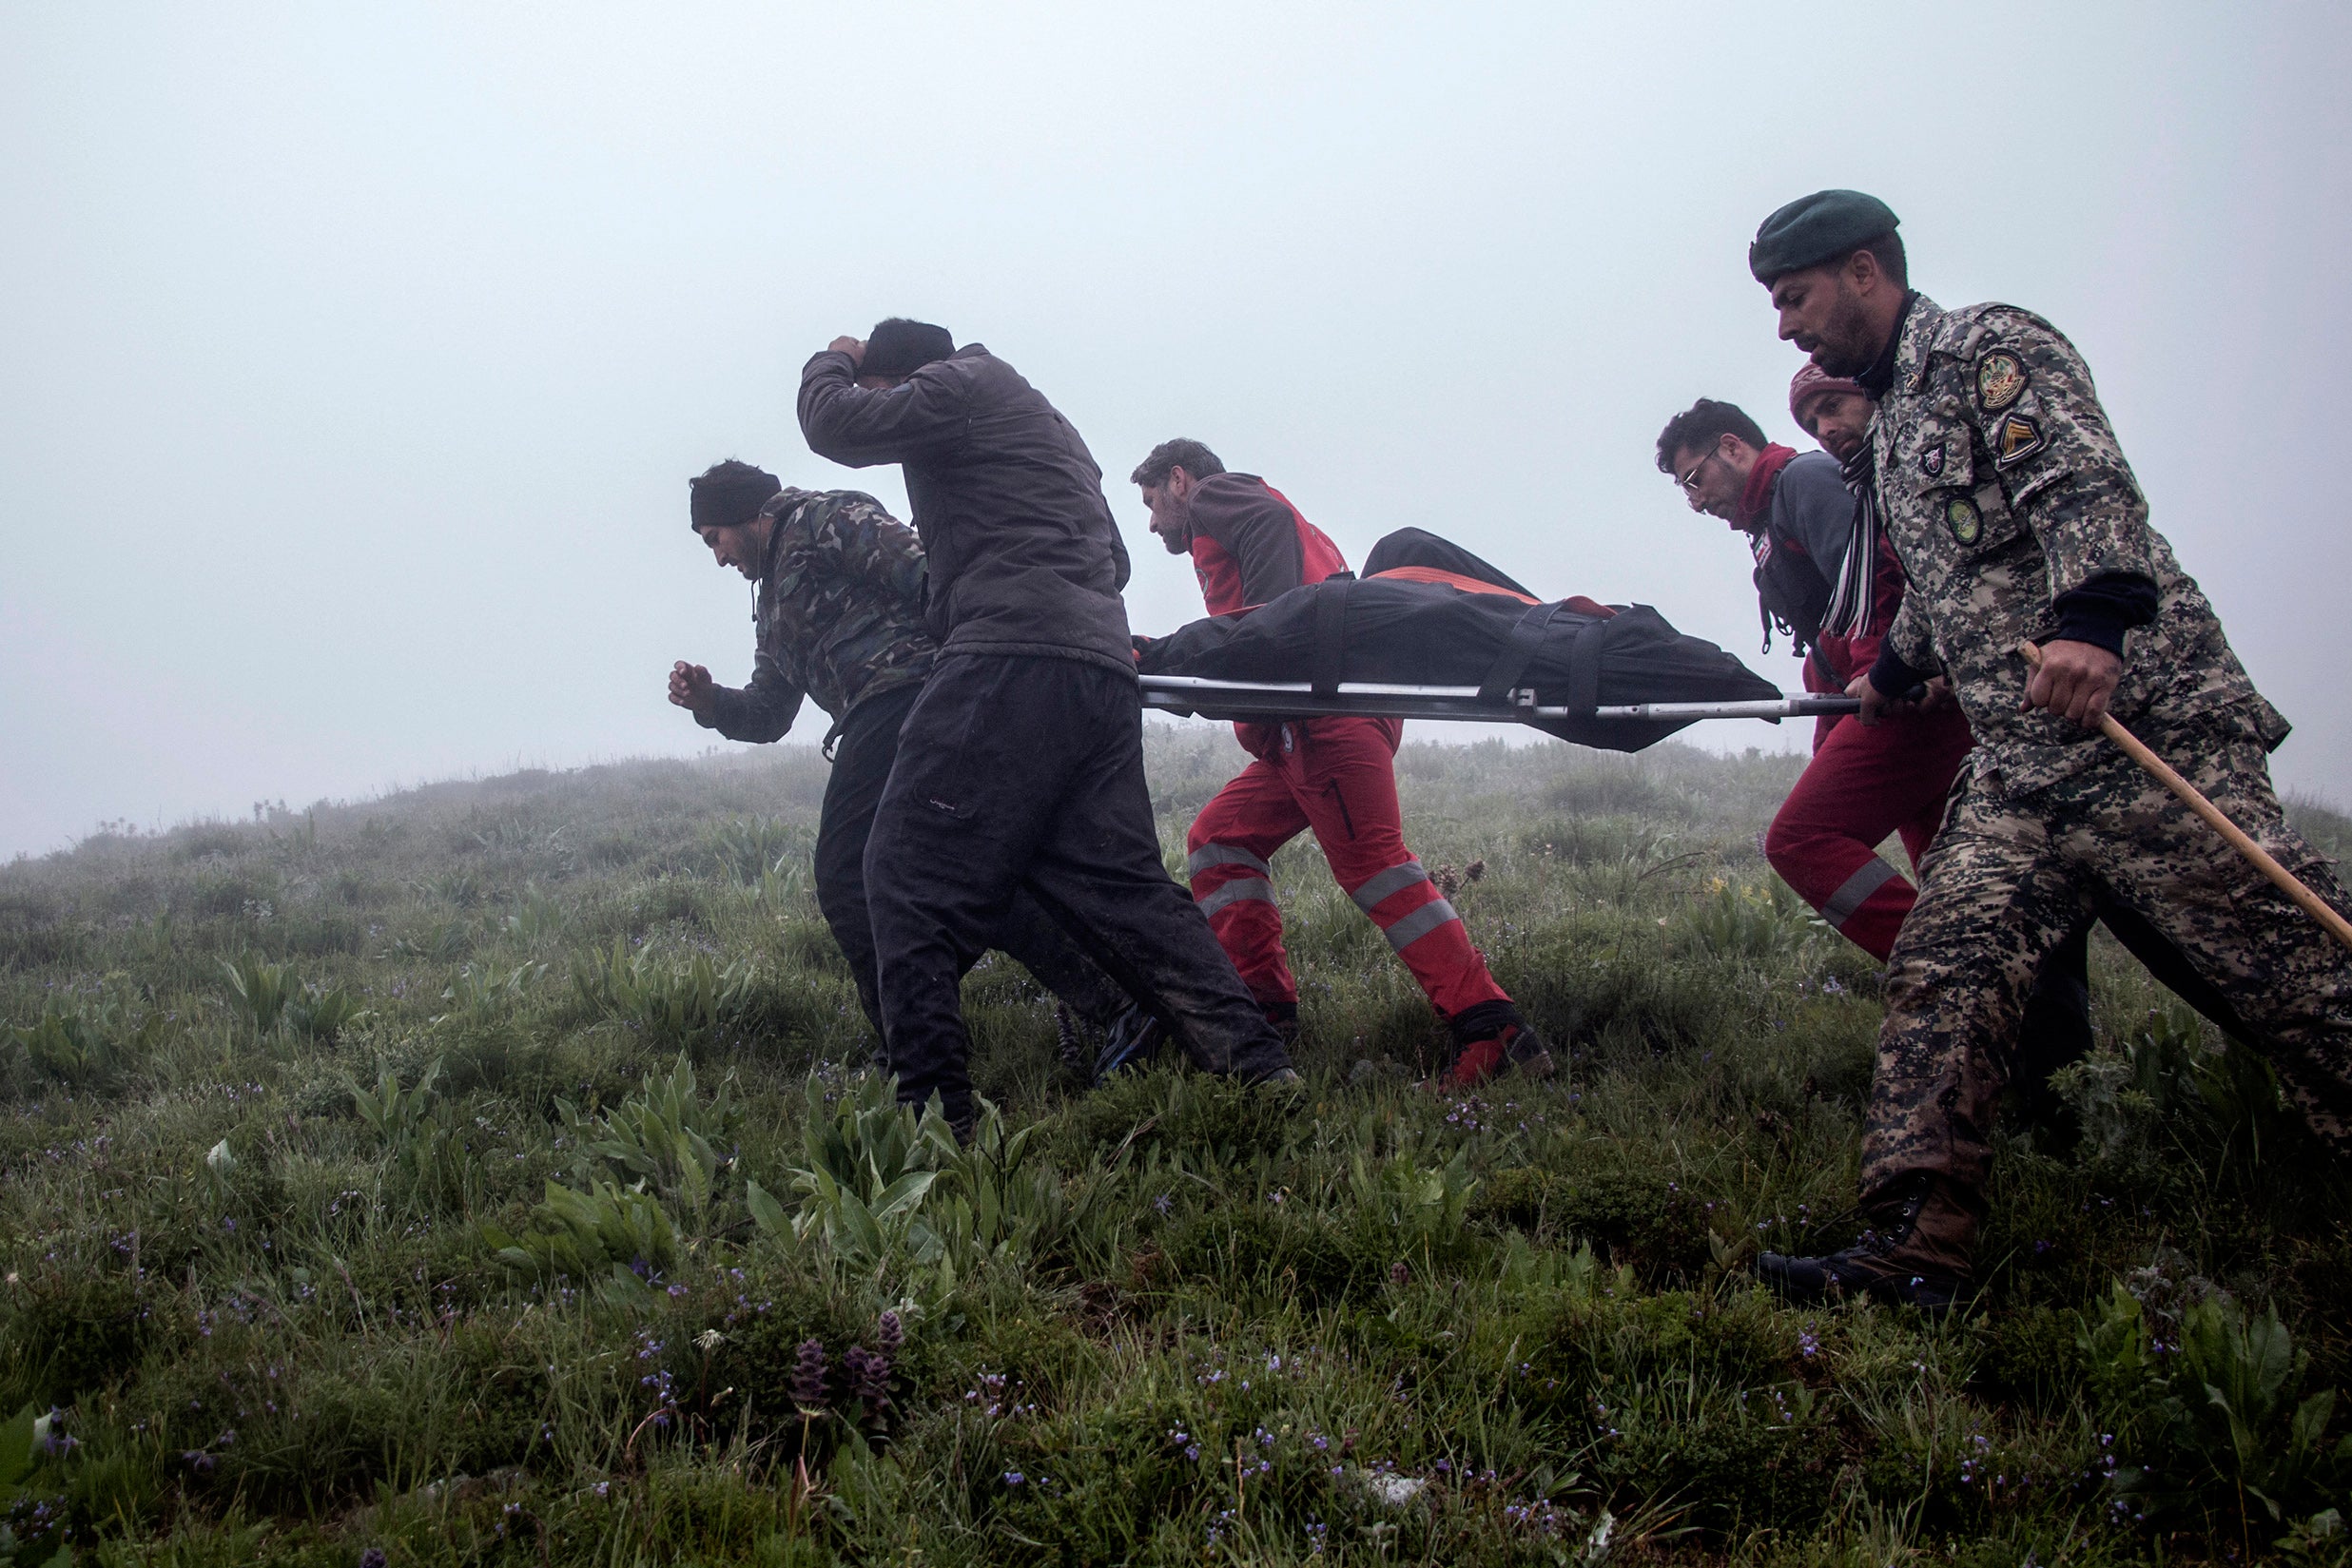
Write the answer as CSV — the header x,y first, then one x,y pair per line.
x,y
854,347
2074,679
690,687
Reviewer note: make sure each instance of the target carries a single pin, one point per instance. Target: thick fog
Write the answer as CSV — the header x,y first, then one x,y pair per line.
x,y
353,360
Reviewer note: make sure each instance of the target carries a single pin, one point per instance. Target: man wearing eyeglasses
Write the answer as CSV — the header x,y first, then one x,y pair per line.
x,y
1863,784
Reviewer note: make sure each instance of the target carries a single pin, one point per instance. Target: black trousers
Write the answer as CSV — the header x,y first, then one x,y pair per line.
x,y
862,759
1022,774
2055,1031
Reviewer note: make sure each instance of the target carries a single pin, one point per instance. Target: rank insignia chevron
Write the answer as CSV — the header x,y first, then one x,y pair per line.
x,y
2020,438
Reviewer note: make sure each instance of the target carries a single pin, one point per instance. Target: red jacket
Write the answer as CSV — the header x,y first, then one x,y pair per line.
x,y
1250,544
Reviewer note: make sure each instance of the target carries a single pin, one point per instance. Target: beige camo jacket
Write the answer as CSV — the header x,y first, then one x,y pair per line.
x,y
2002,487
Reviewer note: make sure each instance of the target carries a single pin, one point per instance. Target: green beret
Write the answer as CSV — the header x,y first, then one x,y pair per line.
x,y
1817,229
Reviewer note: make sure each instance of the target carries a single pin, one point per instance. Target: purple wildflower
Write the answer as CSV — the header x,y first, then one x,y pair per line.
x,y
807,1384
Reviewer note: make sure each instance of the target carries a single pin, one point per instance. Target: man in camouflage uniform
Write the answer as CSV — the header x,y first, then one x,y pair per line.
x,y
839,615
2016,516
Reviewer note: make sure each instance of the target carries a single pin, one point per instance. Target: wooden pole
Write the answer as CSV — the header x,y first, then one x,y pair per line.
x,y
2288,883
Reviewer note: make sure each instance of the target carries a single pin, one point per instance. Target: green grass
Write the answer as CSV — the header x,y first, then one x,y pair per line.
x,y
493,1173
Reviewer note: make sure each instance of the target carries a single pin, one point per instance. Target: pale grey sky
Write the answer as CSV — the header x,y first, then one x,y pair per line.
x,y
353,360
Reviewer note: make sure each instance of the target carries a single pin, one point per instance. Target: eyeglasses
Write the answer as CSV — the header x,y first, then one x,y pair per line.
x,y
1690,481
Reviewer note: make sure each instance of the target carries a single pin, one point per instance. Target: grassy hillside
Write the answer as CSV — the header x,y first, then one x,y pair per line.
x,y
492,1173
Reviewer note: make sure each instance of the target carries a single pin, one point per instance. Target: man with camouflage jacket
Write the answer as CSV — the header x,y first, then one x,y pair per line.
x,y
2005,494
839,616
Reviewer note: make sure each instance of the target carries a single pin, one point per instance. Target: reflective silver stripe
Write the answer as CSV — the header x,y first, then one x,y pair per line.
x,y
1234,891
1856,891
1223,854
1395,880
1420,924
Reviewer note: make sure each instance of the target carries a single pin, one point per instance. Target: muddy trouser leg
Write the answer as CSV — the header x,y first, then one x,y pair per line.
x,y
2285,980
1998,895
862,760
861,766
1030,936
1098,872
1029,772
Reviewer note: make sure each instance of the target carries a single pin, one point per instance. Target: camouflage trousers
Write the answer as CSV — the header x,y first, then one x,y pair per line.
x,y
2007,879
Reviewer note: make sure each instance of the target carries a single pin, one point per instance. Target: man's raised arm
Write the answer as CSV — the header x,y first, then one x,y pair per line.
x,y
863,426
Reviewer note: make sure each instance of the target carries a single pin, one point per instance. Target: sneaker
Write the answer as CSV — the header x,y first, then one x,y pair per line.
x,y
1132,1040
1515,1049
1917,1254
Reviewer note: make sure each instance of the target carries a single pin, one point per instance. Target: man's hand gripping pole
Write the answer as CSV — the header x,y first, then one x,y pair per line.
x,y
2288,883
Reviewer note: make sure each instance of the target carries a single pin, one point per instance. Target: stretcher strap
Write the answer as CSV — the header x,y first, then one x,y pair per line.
x,y
1331,634
1585,667
1519,652
1526,640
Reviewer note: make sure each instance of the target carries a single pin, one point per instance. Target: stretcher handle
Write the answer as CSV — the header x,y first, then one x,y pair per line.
x,y
1377,700
2287,883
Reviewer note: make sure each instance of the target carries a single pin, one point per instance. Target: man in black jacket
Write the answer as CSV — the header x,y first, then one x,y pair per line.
x,y
1021,764
838,615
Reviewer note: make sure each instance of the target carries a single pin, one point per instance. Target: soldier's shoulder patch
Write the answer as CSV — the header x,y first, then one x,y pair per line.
x,y
1931,460
1961,517
2001,379
2019,437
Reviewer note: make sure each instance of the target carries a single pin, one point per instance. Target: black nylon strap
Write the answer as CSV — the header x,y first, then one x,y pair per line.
x,y
1331,634
1585,667
1519,651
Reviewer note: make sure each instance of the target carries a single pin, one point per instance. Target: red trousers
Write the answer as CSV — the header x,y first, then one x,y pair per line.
x,y
1338,776
1862,785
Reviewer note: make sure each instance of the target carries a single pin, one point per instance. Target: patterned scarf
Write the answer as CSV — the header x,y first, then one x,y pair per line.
x,y
1850,597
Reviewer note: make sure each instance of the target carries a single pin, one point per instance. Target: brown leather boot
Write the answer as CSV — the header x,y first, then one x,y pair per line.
x,y
1916,1252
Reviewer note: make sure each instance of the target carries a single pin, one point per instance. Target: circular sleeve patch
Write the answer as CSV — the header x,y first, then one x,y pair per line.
x,y
1961,517
2000,380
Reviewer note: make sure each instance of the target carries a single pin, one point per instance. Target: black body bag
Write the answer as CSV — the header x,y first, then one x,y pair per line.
x,y
1417,634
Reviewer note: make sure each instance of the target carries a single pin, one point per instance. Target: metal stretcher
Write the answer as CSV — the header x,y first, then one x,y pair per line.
x,y
1212,699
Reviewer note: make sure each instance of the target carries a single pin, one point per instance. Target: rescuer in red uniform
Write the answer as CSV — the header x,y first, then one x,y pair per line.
x,y
1335,775
1801,519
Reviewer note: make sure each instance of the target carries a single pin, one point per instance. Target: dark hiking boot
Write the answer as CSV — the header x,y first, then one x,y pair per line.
x,y
1916,1252
1515,1047
1132,1040
1284,1017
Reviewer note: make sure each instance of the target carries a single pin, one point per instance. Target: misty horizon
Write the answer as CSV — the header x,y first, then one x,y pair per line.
x,y
358,362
